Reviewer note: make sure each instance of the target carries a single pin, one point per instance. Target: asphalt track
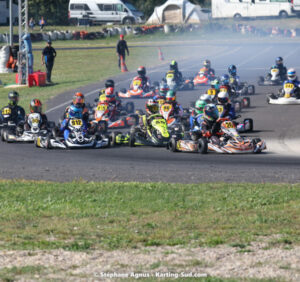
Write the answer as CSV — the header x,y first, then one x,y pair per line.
x,y
278,125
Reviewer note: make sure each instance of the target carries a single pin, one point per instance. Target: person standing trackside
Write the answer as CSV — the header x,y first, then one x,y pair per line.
x,y
48,56
121,48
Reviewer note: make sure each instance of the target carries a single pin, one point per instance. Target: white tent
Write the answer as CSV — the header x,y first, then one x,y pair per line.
x,y
177,11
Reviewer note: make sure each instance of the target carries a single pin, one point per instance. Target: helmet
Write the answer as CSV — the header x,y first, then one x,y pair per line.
x,y
291,74
13,98
151,106
171,96
279,61
163,88
173,65
109,83
141,71
75,112
109,94
206,63
206,98
199,106
232,70
78,100
121,36
35,106
210,112
225,79
223,98
215,83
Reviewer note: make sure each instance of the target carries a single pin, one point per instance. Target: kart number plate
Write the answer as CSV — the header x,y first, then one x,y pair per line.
x,y
137,83
274,70
6,111
170,75
211,92
35,120
228,124
102,108
76,122
223,90
160,101
166,108
288,86
220,108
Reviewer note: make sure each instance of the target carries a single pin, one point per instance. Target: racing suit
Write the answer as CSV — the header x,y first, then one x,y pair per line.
x,y
65,129
195,125
145,82
210,72
44,122
211,129
228,111
85,112
15,114
296,84
282,71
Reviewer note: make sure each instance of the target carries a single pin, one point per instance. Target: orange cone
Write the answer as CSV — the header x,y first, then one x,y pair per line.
x,y
123,65
160,55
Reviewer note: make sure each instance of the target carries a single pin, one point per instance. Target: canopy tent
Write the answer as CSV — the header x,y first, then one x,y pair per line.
x,y
177,11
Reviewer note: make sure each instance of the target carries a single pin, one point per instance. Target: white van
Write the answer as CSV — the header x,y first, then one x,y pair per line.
x,y
4,11
104,11
296,7
251,8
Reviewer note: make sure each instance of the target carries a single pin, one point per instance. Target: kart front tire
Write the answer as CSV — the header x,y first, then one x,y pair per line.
x,y
131,140
246,102
2,135
102,126
251,89
129,107
238,106
202,146
250,121
114,138
173,145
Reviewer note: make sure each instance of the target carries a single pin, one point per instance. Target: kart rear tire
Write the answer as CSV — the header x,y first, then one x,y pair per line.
x,y
191,86
251,89
131,140
123,90
250,120
102,126
129,107
3,135
114,137
202,146
261,80
246,102
136,120
173,145
238,106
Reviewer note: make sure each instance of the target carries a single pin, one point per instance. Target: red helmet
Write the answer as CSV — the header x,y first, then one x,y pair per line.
x,y
35,106
78,100
121,36
109,94
141,70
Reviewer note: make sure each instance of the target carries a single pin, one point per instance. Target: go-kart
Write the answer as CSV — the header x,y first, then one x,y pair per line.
x,y
245,126
230,142
112,117
203,78
154,133
272,78
184,84
289,97
78,138
13,133
243,88
137,91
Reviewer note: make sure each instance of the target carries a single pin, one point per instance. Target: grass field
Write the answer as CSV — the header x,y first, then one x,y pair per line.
x,y
80,216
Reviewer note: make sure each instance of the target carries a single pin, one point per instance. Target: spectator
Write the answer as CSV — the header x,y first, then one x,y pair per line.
x,y
121,48
42,23
48,56
31,23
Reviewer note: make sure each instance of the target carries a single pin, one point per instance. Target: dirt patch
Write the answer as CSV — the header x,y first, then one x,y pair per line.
x,y
252,261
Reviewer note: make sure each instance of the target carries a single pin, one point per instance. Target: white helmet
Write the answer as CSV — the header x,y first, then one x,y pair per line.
x,y
205,97
223,97
291,74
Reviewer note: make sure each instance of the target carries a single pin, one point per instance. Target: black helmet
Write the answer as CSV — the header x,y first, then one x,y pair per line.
x,y
13,98
109,83
232,70
141,70
279,61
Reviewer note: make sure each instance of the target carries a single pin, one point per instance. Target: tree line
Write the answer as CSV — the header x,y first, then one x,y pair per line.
x,y
55,12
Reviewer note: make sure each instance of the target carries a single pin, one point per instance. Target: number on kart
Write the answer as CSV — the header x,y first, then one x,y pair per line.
x,y
102,108
288,86
228,124
220,108
166,108
211,92
76,122
35,120
160,101
223,90
170,75
137,83
274,70
6,111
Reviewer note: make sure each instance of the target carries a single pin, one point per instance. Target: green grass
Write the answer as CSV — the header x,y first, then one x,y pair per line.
x,y
11,273
81,216
77,68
